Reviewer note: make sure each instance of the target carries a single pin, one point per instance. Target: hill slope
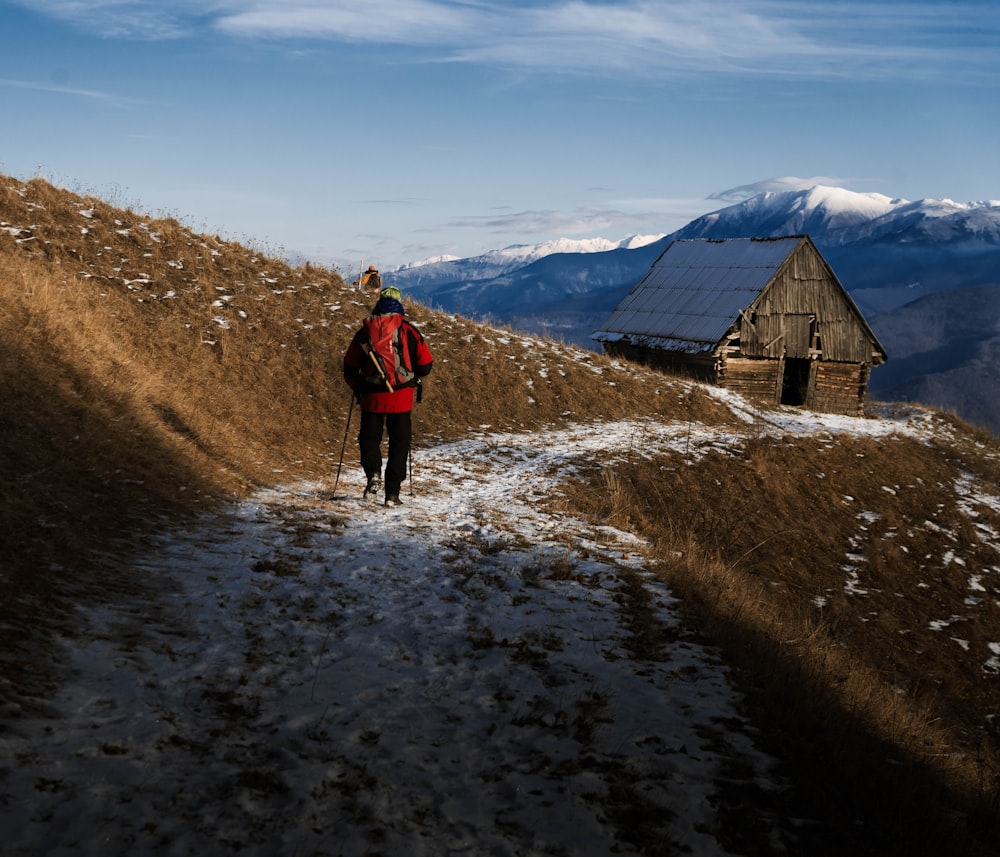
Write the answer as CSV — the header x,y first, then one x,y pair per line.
x,y
850,581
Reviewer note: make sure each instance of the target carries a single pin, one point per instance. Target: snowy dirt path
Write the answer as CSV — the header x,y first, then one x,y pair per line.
x,y
468,674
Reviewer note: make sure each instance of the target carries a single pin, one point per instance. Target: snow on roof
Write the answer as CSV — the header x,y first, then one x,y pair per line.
x,y
695,290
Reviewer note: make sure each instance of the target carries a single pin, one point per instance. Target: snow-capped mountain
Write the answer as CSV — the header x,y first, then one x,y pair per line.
x,y
830,211
496,263
888,253
836,217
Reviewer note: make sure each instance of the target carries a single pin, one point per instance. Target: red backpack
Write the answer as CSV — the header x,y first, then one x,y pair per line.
x,y
388,355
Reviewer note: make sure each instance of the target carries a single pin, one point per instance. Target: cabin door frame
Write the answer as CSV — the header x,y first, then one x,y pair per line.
x,y
797,380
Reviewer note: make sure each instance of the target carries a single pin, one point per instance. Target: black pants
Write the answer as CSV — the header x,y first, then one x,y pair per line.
x,y
400,430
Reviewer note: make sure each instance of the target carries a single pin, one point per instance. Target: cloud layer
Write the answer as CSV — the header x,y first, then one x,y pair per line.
x,y
634,37
777,185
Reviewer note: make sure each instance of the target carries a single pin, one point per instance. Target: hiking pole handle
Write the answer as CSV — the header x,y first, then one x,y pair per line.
x,y
367,349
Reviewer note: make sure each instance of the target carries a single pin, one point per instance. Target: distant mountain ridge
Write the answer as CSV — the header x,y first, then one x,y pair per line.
x,y
838,217
885,251
495,263
888,253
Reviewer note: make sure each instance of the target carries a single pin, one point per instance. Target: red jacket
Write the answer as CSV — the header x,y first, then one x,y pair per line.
x,y
374,396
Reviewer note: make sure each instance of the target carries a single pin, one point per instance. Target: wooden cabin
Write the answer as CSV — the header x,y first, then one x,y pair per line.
x,y
765,317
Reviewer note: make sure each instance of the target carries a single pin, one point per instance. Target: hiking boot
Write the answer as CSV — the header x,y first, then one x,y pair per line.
x,y
393,500
372,489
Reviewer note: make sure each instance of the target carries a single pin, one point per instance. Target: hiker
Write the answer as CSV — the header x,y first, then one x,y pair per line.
x,y
370,279
383,366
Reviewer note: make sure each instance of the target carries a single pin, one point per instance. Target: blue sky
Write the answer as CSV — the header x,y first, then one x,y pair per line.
x,y
389,131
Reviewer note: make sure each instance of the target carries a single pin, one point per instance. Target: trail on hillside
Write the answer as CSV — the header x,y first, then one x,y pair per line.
x,y
466,674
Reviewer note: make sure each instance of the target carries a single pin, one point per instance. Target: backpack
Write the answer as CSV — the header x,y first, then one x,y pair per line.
x,y
384,344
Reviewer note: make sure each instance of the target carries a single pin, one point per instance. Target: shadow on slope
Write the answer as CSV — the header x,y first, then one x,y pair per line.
x,y
851,619
148,370
124,396
85,476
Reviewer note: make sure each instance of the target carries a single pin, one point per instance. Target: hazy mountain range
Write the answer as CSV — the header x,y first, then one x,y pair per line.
x,y
926,274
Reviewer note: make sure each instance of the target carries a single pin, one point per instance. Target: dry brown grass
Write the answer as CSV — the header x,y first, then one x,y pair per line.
x,y
148,371
889,725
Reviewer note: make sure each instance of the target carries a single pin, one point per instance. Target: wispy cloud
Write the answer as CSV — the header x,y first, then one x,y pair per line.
x,y
633,37
583,221
93,94
777,185
414,22
123,19
533,222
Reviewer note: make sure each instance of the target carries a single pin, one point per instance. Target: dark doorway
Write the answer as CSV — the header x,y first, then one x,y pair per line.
x,y
795,382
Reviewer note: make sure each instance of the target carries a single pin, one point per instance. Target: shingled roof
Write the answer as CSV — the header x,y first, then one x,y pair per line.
x,y
694,292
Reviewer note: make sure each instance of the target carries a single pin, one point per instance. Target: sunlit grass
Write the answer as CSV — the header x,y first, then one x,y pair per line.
x,y
149,372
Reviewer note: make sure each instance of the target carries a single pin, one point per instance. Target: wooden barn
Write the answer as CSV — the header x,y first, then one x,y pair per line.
x,y
765,317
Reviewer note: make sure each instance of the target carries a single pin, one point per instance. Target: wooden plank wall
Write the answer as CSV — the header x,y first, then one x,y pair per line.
x,y
757,379
837,388
700,367
840,388
804,286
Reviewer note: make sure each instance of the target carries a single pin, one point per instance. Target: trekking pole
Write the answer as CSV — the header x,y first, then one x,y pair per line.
x,y
343,446
378,365
419,397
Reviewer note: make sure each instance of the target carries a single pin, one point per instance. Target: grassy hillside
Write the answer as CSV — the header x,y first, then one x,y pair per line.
x,y
853,583
149,372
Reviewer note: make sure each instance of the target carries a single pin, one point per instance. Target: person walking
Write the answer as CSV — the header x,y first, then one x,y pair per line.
x,y
383,366
370,279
